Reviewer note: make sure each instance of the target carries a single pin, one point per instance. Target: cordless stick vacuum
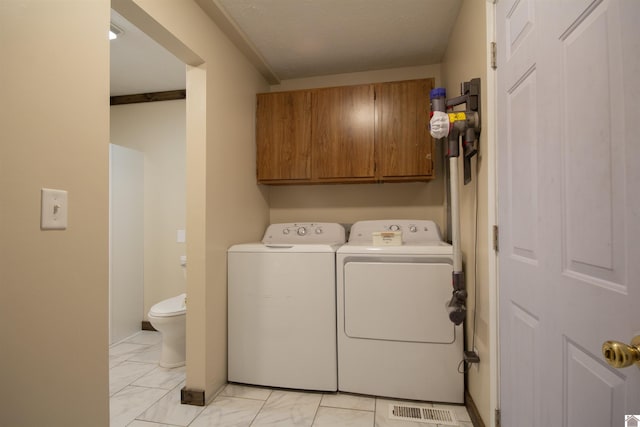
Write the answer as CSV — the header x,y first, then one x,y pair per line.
x,y
457,124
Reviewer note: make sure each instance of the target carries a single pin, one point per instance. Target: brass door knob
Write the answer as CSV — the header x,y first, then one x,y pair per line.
x,y
621,355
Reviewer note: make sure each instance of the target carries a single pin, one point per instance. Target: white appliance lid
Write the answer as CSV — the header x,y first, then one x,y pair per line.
x,y
304,233
415,232
439,249
282,248
170,307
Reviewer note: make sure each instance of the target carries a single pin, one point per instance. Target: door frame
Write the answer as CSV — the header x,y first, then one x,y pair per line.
x,y
195,80
491,121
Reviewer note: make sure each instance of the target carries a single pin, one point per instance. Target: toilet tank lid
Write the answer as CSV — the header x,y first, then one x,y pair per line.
x,y
170,307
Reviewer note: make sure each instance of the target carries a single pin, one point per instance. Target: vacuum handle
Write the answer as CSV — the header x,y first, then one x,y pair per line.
x,y
438,98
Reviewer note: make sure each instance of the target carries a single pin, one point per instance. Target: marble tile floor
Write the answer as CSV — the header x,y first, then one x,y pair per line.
x,y
142,394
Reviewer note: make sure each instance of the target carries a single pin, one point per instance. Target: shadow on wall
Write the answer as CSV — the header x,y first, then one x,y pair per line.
x,y
347,203
358,195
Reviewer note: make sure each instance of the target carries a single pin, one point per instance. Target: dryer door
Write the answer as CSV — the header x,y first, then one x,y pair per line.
x,y
398,301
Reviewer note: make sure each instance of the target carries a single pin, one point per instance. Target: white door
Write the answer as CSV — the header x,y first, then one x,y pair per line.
x,y
569,209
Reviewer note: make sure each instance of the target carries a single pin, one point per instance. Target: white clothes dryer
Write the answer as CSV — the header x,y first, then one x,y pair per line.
x,y
282,307
395,338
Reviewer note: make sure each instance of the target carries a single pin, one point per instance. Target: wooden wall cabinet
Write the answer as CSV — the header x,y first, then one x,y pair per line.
x,y
283,135
404,145
342,141
364,133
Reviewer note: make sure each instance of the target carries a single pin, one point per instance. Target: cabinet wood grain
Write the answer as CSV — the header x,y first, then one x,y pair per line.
x,y
363,133
404,146
283,136
343,133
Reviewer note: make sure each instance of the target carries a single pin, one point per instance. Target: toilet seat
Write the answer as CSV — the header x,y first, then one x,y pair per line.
x,y
170,307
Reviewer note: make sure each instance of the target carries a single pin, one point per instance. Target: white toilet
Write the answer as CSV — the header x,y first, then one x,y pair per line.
x,y
169,317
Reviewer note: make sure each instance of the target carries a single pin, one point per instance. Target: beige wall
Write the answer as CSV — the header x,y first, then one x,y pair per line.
x,y
158,130
348,203
364,77
224,204
54,116
353,202
465,59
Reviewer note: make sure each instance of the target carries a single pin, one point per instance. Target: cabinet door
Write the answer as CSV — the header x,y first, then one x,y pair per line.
x,y
283,136
404,144
343,133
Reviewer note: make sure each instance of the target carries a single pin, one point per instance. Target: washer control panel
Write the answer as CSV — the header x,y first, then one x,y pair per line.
x,y
304,233
413,231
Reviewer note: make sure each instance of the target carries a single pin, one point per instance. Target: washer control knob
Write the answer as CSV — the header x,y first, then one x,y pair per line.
x,y
318,230
394,228
285,231
413,229
302,231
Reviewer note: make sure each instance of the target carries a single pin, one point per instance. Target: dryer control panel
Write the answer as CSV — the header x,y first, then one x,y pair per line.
x,y
301,233
413,231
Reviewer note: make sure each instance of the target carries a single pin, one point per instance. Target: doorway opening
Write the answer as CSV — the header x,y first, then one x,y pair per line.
x,y
148,177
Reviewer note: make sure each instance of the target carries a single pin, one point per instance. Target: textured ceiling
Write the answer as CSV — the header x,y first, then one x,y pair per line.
x,y
300,38
304,38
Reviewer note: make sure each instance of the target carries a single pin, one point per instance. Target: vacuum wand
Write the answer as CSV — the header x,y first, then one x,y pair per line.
x,y
465,124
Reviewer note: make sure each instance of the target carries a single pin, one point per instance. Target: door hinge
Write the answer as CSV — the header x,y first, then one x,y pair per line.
x,y
496,239
494,55
498,422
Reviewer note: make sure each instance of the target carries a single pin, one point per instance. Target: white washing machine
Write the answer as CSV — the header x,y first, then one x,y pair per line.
x,y
395,338
282,307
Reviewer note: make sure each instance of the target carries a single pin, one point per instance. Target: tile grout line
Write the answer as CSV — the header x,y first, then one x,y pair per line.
x,y
264,402
377,401
315,415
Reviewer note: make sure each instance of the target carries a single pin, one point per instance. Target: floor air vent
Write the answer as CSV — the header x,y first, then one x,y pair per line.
x,y
422,415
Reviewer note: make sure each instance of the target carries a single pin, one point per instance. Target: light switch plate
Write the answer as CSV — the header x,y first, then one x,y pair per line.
x,y
54,209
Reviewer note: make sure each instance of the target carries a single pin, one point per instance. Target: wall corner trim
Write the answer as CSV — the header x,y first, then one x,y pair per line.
x,y
192,397
221,18
472,409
